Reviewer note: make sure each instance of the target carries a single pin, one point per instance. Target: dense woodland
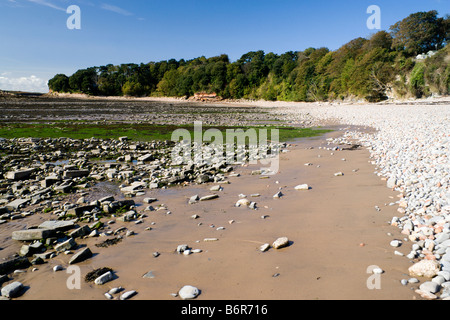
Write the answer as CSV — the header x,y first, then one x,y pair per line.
x,y
385,65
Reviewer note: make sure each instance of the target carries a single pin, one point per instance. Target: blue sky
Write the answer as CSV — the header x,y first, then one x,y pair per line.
x,y
35,43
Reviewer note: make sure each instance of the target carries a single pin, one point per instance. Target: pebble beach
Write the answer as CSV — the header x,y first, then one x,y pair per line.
x,y
411,151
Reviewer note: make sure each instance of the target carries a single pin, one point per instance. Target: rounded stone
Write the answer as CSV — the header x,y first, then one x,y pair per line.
x,y
280,243
127,295
395,243
188,292
438,279
430,286
243,202
12,290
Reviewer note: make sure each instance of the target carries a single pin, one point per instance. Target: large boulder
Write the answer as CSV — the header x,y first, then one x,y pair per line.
x,y
424,268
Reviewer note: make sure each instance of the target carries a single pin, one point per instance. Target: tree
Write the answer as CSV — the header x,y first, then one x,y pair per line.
x,y
446,28
184,84
133,88
419,33
381,39
84,81
252,64
108,82
318,54
218,76
372,74
237,86
270,60
168,85
59,83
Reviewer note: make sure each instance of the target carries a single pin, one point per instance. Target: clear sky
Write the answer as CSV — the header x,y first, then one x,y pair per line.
x,y
35,43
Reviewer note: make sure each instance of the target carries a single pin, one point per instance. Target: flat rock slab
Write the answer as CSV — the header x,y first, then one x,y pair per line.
x,y
13,264
66,245
130,189
209,197
135,186
57,225
80,210
19,175
12,290
45,255
302,187
105,199
148,275
14,205
81,255
76,173
48,182
125,203
80,232
32,234
147,157
65,187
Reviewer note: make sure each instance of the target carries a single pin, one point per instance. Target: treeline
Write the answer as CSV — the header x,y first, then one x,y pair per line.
x,y
385,65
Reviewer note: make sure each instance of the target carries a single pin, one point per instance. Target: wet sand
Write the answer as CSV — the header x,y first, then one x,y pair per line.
x,y
325,225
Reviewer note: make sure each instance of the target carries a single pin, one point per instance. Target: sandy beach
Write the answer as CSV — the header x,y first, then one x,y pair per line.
x,y
335,233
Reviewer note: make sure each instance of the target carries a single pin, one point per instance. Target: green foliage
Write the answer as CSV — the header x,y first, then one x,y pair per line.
x,y
417,81
84,81
437,72
420,32
370,69
133,88
381,39
47,210
135,131
59,83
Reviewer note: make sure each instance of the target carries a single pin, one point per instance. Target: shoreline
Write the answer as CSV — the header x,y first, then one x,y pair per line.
x,y
261,103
